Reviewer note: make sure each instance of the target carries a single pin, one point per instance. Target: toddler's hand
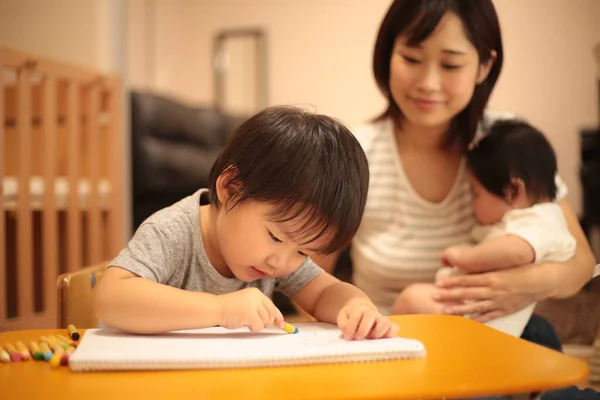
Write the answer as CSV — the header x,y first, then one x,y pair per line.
x,y
360,319
248,307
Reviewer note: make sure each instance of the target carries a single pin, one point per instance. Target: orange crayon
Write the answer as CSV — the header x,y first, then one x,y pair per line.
x,y
56,357
14,354
23,351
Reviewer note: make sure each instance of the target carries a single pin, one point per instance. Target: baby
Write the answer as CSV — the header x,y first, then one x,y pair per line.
x,y
512,174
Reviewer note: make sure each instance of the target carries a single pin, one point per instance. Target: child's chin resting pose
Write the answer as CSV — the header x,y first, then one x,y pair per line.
x,y
288,185
512,172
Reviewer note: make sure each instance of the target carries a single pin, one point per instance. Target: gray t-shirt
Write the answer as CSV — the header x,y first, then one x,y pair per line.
x,y
168,248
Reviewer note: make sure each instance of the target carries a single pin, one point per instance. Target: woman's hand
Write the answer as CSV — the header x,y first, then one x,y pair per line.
x,y
490,295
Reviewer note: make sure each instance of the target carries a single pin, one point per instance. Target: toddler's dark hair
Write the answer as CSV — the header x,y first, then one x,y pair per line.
x,y
306,165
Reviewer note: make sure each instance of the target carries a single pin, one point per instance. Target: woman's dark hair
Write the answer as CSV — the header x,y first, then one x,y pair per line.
x,y
307,166
418,19
514,149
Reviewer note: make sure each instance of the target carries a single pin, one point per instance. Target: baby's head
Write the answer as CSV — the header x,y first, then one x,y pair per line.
x,y
513,166
289,183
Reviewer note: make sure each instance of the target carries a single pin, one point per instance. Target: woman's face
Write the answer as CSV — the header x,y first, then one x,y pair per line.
x,y
432,82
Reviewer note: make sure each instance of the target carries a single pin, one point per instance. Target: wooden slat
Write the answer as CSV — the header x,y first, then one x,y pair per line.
x,y
50,213
114,161
24,219
94,235
2,212
37,110
48,66
74,259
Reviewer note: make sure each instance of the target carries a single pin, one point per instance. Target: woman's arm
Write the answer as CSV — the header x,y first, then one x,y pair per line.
x,y
498,293
572,275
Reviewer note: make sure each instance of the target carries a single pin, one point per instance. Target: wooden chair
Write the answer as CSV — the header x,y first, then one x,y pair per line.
x,y
76,297
595,362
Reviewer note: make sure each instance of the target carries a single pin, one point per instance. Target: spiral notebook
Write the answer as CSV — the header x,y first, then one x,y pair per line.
x,y
214,348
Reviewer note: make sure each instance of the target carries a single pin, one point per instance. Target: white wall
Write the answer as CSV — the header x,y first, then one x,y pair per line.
x,y
549,76
85,32
320,54
79,31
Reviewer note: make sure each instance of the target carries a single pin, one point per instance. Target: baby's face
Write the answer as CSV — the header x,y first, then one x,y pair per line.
x,y
488,208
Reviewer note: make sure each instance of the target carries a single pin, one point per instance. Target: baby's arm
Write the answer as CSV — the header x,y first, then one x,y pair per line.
x,y
496,253
128,302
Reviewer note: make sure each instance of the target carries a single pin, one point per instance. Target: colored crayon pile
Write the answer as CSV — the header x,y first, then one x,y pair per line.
x,y
54,349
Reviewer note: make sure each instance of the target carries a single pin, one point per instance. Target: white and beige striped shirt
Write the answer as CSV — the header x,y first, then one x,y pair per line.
x,y
402,235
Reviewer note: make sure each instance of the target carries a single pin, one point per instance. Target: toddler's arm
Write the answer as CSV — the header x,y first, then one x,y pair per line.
x,y
492,254
128,302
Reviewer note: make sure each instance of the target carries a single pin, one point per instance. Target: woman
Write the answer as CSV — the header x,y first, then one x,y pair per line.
x,y
437,63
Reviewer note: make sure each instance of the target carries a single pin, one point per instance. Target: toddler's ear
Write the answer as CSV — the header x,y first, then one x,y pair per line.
x,y
228,184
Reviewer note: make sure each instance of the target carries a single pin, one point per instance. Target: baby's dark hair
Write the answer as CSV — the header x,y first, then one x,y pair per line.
x,y
308,166
514,149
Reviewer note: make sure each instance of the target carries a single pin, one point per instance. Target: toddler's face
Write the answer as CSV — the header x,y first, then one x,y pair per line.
x,y
255,247
488,208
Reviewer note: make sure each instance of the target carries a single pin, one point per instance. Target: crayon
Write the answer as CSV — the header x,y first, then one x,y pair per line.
x,y
65,358
14,354
51,341
46,352
4,356
34,347
66,340
289,328
23,351
73,334
59,342
56,357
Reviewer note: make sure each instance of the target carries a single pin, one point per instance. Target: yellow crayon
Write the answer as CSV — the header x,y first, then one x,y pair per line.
x,y
52,342
23,351
46,352
55,360
66,340
4,356
45,339
14,354
289,328
34,347
59,342
73,334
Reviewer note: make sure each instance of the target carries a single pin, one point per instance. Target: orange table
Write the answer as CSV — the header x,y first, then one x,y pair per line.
x,y
465,359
